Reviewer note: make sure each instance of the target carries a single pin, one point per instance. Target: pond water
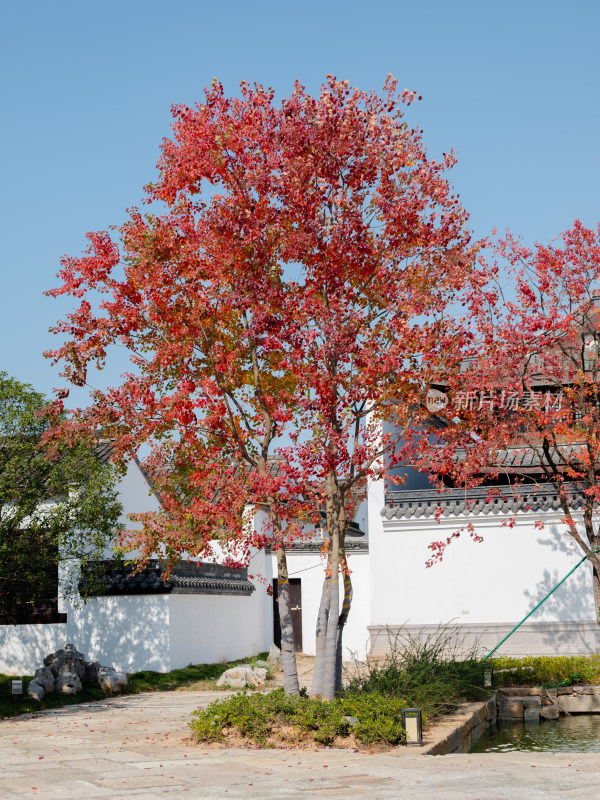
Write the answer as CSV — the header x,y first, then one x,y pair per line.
x,y
578,733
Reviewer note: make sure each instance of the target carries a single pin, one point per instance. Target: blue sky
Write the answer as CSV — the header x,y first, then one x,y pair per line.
x,y
87,89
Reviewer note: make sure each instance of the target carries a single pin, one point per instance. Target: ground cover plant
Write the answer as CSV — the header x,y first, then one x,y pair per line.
x,y
276,719
193,677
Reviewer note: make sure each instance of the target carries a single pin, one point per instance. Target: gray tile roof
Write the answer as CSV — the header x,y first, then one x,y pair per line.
x,y
530,459
458,502
103,450
104,578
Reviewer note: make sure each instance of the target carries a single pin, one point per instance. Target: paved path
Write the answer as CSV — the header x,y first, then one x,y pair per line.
x,y
136,747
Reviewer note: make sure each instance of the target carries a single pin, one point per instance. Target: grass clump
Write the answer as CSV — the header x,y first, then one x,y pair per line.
x,y
276,719
434,672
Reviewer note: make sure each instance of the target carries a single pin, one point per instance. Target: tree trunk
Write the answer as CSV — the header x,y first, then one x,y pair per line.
x,y
595,547
288,648
316,689
596,580
341,622
335,526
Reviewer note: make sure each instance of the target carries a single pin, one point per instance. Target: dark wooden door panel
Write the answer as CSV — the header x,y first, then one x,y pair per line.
x,y
296,604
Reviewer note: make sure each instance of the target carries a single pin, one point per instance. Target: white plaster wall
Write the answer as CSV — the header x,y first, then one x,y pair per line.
x,y
128,633
498,580
206,629
136,497
23,647
362,515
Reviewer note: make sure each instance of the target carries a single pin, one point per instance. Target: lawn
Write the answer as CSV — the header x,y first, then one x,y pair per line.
x,y
193,677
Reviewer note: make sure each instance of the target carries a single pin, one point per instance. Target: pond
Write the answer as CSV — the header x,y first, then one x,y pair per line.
x,y
578,733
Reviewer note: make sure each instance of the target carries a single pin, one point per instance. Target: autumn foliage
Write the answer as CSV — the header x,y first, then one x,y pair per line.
x,y
529,400
295,285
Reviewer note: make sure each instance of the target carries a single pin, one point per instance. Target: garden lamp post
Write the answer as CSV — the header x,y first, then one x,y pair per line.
x,y
412,723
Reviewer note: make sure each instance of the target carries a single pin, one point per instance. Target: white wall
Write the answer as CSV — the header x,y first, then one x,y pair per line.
x,y
136,497
206,629
128,633
24,647
498,580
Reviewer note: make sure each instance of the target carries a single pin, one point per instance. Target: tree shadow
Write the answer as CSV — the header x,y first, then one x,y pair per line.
x,y
121,632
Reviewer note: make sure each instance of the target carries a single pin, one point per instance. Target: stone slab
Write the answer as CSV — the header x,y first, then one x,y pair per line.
x,y
510,707
580,703
457,732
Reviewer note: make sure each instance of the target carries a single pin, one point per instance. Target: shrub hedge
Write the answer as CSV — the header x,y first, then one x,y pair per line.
x,y
537,670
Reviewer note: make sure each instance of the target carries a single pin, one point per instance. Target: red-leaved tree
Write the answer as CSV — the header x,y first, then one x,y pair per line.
x,y
299,280
526,410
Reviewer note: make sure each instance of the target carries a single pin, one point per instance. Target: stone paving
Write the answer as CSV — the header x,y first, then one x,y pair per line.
x,y
137,747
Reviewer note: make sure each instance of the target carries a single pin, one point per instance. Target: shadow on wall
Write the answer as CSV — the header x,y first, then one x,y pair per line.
x,y
570,603
129,633
24,647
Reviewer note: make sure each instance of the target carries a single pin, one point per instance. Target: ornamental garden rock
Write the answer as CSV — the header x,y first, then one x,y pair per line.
x,y
242,677
67,670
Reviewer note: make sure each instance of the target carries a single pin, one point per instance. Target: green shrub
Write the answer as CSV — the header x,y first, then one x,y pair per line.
x,y
255,716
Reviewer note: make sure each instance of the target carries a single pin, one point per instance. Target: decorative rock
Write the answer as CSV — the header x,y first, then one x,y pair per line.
x,y
45,678
70,666
92,668
241,677
262,665
550,712
36,690
260,673
68,684
65,670
274,659
111,681
67,660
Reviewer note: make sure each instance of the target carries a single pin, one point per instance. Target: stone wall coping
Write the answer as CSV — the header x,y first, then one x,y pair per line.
x,y
531,691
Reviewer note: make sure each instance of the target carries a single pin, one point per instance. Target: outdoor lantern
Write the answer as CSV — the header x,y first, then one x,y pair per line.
x,y
412,724
488,677
17,689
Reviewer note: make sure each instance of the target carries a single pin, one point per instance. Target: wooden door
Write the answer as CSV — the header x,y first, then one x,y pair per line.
x,y
296,604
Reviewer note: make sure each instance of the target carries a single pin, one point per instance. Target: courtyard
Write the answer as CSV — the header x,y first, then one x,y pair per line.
x,y
138,746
